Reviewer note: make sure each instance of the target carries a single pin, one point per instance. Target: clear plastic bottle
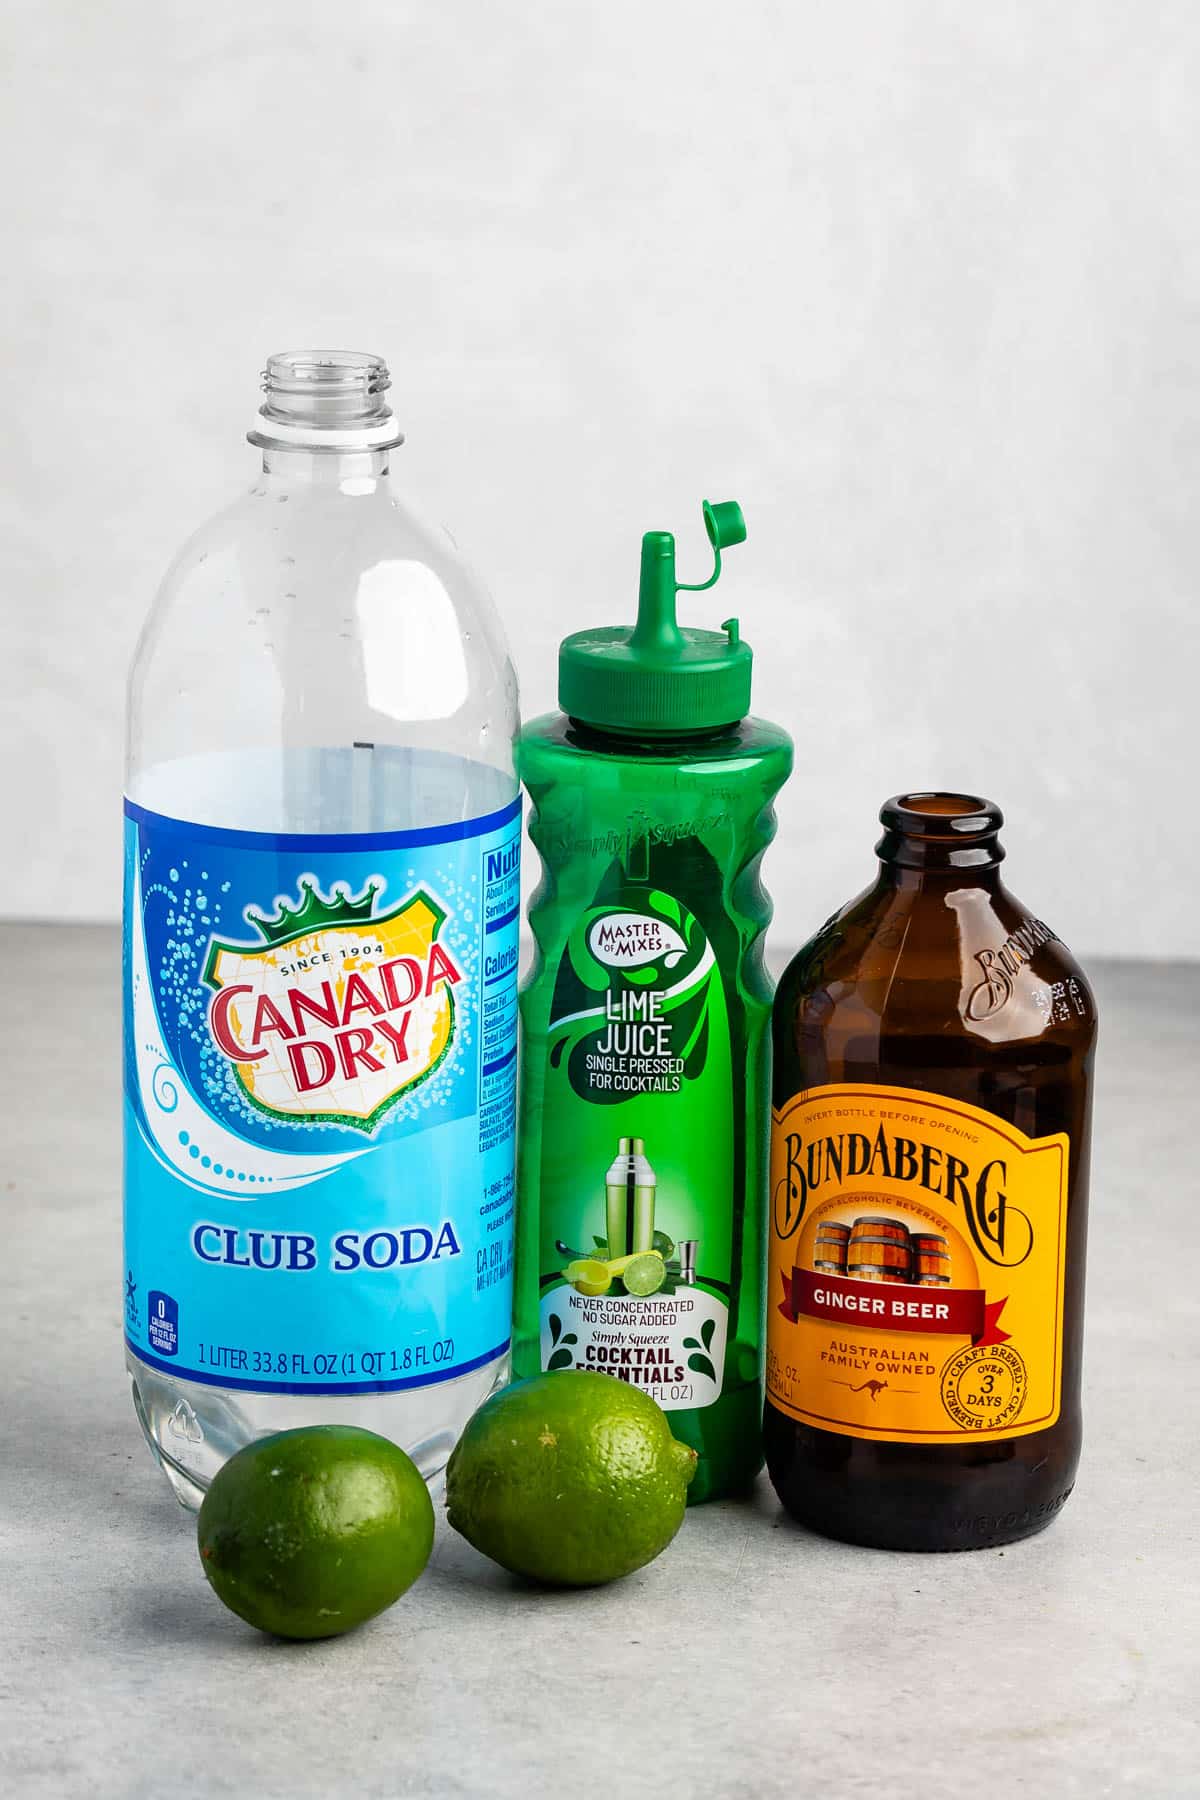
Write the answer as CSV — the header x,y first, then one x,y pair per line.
x,y
322,869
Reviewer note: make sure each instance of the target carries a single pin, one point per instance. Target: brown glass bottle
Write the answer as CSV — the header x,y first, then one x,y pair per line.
x,y
933,1050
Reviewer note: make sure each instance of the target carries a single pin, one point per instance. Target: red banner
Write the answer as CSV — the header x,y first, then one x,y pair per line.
x,y
891,1306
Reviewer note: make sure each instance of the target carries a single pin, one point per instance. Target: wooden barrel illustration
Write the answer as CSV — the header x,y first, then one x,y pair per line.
x,y
930,1259
869,1274
893,1230
829,1250
879,1247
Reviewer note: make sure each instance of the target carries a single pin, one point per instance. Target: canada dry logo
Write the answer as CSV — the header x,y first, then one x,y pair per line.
x,y
336,1013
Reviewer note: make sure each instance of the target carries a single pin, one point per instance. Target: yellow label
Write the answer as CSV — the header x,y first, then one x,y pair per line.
x,y
917,1262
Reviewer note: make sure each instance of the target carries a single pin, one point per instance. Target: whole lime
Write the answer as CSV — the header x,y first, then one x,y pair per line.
x,y
308,1533
571,1478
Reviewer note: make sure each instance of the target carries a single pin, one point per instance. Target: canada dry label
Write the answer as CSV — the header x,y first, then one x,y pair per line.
x,y
320,1058
917,1261
637,1152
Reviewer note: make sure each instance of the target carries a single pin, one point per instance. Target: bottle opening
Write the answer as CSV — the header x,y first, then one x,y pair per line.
x,y
326,400
947,830
934,814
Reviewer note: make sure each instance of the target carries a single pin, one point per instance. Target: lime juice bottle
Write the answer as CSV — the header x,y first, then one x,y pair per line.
x,y
646,1018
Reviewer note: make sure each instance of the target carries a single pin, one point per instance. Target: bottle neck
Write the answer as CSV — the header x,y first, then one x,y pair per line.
x,y
938,837
361,469
666,744
898,880
325,420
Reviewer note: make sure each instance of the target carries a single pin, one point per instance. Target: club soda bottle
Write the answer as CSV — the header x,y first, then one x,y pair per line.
x,y
322,843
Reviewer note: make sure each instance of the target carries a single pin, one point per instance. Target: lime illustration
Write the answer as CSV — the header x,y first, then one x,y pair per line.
x,y
589,1276
571,1479
663,1244
308,1533
644,1275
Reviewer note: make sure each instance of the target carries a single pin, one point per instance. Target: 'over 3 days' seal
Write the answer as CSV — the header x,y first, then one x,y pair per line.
x,y
984,1386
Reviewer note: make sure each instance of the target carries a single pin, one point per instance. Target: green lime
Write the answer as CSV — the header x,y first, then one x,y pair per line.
x,y
572,1479
644,1274
617,1265
662,1243
589,1276
308,1533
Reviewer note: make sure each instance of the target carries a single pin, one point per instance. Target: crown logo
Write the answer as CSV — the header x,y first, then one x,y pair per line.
x,y
315,911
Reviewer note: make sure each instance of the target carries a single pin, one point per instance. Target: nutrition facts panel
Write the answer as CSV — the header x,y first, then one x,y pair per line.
x,y
498,1002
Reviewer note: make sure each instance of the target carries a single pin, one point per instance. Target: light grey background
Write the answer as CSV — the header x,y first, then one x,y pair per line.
x,y
918,282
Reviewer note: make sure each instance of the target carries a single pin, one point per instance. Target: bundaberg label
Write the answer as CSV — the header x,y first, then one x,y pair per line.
x,y
917,1260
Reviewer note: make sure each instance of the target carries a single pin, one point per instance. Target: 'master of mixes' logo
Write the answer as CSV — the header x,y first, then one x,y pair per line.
x,y
336,1013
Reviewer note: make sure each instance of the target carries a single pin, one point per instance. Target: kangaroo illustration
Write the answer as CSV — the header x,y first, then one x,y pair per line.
x,y
874,1388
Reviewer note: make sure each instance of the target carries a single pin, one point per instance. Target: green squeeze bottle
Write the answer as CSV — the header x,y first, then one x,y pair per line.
x,y
645,1084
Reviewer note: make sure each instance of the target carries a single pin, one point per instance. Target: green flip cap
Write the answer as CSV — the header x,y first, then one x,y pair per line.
x,y
658,677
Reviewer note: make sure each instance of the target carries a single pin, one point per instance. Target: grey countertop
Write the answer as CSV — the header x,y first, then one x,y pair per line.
x,y
751,1660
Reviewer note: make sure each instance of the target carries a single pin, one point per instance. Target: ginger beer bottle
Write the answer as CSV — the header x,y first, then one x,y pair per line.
x,y
929,1178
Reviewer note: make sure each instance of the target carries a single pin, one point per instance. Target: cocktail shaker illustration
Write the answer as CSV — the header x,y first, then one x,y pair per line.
x,y
629,1200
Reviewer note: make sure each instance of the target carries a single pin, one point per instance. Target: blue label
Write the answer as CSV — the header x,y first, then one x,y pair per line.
x,y
320,1065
